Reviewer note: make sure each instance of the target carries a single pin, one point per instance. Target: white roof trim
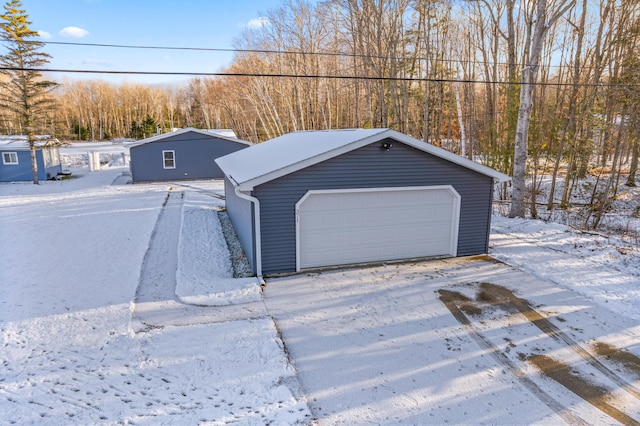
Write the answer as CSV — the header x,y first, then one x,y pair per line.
x,y
449,156
236,165
210,133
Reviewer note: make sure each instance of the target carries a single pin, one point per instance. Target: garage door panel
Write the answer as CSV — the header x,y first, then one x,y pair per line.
x,y
343,227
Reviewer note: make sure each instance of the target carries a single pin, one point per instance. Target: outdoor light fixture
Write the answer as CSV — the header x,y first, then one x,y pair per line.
x,y
386,145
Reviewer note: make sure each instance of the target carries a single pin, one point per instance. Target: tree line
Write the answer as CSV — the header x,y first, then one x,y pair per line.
x,y
450,72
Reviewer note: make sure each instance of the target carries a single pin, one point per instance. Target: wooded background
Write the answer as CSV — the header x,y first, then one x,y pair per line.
x,y
447,72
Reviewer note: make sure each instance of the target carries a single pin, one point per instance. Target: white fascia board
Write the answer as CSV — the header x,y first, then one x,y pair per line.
x,y
449,156
160,137
186,130
252,183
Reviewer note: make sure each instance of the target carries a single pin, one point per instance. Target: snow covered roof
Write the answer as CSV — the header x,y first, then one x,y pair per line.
x,y
226,134
223,132
294,151
20,142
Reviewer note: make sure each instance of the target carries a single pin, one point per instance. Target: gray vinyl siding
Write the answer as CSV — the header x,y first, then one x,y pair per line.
x,y
240,213
371,167
194,157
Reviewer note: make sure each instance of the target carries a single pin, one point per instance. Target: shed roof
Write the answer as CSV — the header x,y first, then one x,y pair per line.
x,y
20,142
294,151
226,134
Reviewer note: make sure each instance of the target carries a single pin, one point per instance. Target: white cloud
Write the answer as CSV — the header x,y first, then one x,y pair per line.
x,y
257,23
74,32
95,62
44,34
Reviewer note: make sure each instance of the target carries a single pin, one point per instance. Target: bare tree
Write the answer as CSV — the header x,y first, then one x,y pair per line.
x,y
542,19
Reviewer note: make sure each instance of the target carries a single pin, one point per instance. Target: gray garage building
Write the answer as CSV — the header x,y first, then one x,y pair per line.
x,y
325,198
183,154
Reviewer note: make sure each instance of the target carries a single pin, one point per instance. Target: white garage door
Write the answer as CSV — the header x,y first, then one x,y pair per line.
x,y
339,227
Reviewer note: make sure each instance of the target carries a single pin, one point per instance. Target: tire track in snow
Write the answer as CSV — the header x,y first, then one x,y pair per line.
x,y
499,294
157,278
461,307
449,299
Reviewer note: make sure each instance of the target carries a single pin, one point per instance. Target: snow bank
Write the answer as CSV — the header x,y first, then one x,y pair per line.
x,y
602,268
205,273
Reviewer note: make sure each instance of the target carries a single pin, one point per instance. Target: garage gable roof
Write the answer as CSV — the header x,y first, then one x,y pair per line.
x,y
225,134
294,151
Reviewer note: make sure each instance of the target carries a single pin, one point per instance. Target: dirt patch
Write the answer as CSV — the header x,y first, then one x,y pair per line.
x,y
627,359
463,303
503,297
593,394
487,258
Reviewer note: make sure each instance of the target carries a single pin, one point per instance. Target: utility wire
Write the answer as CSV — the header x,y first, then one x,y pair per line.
x,y
312,76
286,52
216,49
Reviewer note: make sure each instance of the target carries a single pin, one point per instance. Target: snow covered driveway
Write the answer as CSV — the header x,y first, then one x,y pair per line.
x,y
87,338
387,345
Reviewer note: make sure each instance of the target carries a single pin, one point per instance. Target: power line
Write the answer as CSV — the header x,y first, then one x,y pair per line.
x,y
285,52
216,49
312,76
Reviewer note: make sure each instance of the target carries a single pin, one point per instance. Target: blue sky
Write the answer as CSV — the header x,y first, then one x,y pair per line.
x,y
184,23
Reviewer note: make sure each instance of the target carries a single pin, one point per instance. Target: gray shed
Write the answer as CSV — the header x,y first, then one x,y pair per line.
x,y
183,154
314,199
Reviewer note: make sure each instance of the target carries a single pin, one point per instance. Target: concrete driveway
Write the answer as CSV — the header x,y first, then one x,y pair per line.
x,y
390,344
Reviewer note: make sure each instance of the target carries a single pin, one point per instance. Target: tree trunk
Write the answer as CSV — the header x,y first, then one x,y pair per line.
x,y
463,135
520,149
34,160
526,100
633,168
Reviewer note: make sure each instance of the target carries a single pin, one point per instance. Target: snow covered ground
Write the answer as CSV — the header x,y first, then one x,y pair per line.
x,y
95,329
71,265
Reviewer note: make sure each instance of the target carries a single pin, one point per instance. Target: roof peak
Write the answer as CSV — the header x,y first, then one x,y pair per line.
x,y
293,151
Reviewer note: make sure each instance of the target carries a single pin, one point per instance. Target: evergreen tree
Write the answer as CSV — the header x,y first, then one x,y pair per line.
x,y
25,93
80,132
145,129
